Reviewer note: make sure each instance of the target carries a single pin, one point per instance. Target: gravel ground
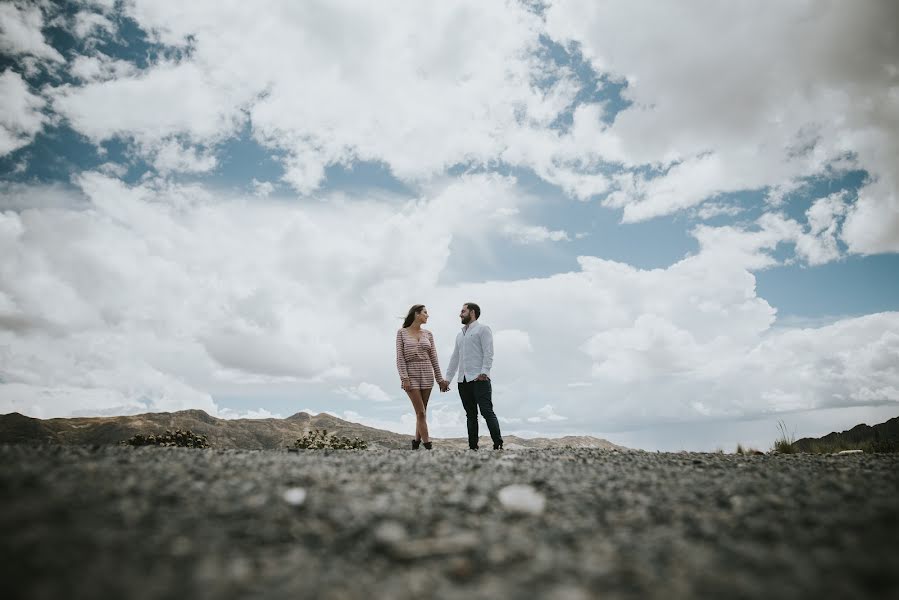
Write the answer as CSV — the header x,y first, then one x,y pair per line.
x,y
139,523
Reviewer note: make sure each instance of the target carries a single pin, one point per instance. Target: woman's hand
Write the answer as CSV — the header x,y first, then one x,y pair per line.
x,y
444,385
406,384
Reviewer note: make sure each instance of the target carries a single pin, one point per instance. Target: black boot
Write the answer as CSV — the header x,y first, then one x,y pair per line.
x,y
416,444
428,445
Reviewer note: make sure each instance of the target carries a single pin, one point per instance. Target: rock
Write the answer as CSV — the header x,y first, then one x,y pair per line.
x,y
841,453
524,499
294,496
390,533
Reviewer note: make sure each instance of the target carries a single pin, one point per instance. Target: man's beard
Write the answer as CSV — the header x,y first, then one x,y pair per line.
x,y
466,320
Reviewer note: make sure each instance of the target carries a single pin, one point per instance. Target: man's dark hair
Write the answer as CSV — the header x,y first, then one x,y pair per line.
x,y
475,308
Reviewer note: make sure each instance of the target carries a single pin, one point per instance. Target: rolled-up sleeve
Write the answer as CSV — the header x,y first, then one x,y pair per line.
x,y
401,356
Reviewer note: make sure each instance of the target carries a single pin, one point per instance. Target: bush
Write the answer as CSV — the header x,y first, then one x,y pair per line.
x,y
784,444
319,438
179,438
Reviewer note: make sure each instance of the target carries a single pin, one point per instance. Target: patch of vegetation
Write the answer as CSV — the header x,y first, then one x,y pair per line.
x,y
747,451
320,439
875,446
784,443
178,438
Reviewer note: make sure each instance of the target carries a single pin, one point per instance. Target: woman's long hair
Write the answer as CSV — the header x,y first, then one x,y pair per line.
x,y
416,308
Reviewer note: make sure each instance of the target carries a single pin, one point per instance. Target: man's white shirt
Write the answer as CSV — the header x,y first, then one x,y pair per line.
x,y
473,353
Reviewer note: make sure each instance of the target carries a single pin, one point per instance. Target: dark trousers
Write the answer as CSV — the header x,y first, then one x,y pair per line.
x,y
475,395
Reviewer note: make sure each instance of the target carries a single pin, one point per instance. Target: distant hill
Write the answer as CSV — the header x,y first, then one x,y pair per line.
x,y
860,434
248,434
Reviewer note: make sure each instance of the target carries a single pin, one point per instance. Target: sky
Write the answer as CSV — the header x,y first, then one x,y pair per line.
x,y
680,220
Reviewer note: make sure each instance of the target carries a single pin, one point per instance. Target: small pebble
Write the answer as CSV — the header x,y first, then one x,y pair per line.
x,y
521,498
390,532
295,496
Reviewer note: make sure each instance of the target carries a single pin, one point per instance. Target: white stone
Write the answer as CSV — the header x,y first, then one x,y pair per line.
x,y
522,499
850,452
390,532
295,496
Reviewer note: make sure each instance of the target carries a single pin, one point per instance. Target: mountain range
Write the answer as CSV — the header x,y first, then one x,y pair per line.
x,y
247,434
852,438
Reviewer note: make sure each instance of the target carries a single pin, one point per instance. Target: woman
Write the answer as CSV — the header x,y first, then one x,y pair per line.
x,y
416,360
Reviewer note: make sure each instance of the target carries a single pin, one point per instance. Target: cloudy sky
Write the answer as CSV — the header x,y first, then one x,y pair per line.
x,y
681,220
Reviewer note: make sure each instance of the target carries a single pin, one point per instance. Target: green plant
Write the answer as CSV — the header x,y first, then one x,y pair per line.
x,y
319,439
740,449
179,438
784,443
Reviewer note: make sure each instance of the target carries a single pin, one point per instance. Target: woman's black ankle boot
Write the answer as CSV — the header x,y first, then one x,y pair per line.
x,y
428,445
416,444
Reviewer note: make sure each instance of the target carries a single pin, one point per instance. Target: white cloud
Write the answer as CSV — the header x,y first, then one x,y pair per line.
x,y
262,188
710,210
172,155
20,112
532,234
872,223
152,106
177,286
100,67
114,169
425,87
227,413
103,6
419,89
726,98
159,297
20,32
19,196
546,413
365,391
87,22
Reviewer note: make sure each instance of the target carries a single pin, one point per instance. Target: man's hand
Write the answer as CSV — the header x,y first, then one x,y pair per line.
x,y
444,385
482,377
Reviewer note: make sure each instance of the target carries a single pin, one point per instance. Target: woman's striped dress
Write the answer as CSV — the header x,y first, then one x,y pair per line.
x,y
416,360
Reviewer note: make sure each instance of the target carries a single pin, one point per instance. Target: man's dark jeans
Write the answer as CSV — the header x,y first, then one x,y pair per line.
x,y
478,394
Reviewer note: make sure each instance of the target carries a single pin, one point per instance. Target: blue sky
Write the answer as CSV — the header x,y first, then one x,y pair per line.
x,y
199,214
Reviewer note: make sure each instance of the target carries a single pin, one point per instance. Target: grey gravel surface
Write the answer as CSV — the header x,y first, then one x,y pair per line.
x,y
137,523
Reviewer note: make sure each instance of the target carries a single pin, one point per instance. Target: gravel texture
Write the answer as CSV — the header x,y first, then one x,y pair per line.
x,y
79,522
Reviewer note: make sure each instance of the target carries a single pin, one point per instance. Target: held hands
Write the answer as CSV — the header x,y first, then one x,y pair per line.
x,y
444,385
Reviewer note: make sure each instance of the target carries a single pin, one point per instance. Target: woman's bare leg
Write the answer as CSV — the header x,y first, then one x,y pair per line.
x,y
425,394
421,423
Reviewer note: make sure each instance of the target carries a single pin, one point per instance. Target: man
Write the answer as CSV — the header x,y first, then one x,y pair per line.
x,y
472,358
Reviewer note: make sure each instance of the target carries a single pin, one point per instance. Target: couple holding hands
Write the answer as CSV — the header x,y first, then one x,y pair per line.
x,y
416,361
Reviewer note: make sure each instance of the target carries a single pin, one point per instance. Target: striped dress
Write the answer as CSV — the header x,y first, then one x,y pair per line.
x,y
416,360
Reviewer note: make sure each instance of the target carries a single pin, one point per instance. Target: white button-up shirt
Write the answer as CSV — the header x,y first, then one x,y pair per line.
x,y
473,353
